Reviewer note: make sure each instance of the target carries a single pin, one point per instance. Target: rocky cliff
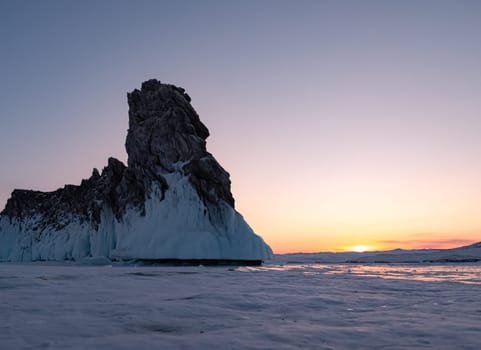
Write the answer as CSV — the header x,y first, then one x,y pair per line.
x,y
172,200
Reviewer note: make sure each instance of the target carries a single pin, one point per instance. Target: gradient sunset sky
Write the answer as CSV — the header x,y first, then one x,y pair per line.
x,y
342,123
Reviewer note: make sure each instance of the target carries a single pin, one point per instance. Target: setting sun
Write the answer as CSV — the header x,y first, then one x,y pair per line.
x,y
360,248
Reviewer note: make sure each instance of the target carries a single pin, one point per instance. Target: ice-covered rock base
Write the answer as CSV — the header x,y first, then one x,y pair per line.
x,y
175,227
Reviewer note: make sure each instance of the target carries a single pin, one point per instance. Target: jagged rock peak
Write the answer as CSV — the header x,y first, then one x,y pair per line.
x,y
163,127
165,132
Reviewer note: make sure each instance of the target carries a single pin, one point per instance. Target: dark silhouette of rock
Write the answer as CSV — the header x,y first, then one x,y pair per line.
x,y
164,132
165,137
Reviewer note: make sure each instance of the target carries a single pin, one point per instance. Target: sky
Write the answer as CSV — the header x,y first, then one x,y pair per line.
x,y
342,123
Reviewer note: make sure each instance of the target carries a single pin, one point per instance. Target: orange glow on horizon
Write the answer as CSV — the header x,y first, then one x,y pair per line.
x,y
309,247
361,248
362,238
374,211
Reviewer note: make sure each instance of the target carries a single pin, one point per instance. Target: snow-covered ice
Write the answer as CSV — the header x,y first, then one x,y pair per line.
x,y
275,306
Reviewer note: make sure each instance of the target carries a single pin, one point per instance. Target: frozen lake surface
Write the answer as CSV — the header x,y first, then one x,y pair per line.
x,y
292,306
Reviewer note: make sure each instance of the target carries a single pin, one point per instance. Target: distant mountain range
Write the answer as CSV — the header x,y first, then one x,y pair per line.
x,y
470,253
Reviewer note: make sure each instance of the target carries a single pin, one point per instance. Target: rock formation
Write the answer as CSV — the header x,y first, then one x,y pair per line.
x,y
172,201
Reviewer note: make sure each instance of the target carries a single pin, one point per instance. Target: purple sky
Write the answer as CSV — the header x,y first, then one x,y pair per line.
x,y
341,122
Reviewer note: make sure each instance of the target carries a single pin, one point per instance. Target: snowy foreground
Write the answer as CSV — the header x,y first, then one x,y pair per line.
x,y
311,306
